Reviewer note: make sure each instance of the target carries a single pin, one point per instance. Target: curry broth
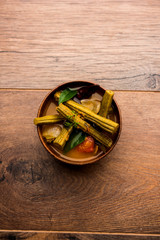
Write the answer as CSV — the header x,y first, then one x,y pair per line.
x,y
50,109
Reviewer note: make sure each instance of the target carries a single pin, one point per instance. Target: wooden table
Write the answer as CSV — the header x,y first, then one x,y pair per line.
x,y
115,44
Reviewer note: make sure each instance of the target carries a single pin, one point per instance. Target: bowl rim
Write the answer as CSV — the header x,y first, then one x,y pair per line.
x,y
79,161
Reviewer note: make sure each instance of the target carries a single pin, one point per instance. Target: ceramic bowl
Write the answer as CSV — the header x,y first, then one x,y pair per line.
x,y
56,153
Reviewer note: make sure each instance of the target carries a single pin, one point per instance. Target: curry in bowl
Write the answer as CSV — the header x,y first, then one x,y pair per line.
x,y
79,122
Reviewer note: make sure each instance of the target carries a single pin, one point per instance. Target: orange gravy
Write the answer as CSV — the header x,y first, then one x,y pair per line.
x,y
74,153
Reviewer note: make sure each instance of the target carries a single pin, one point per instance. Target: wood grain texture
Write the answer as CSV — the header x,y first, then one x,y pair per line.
x,y
114,43
120,193
73,236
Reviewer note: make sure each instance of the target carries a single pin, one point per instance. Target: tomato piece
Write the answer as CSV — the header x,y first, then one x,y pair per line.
x,y
87,145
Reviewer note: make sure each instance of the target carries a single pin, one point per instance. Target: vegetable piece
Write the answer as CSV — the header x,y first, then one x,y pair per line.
x,y
86,92
66,95
83,125
87,145
76,138
63,137
106,103
95,149
50,132
93,105
106,124
48,119
57,96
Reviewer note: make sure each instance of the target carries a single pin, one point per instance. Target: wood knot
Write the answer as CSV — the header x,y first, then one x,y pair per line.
x,y
152,81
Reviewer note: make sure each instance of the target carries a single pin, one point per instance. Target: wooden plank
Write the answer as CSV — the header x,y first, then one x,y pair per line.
x,y
117,194
73,236
114,43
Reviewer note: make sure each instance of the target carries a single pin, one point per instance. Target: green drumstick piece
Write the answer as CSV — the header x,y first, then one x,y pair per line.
x,y
63,137
106,103
83,125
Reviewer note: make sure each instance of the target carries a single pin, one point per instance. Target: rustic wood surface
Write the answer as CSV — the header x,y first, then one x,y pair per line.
x,y
120,193
114,43
73,236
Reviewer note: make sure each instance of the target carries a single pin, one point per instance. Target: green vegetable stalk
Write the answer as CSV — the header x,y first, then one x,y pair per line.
x,y
83,125
106,124
106,103
48,119
63,137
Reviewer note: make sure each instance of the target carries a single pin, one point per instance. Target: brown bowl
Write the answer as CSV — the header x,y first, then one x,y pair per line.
x,y
57,154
